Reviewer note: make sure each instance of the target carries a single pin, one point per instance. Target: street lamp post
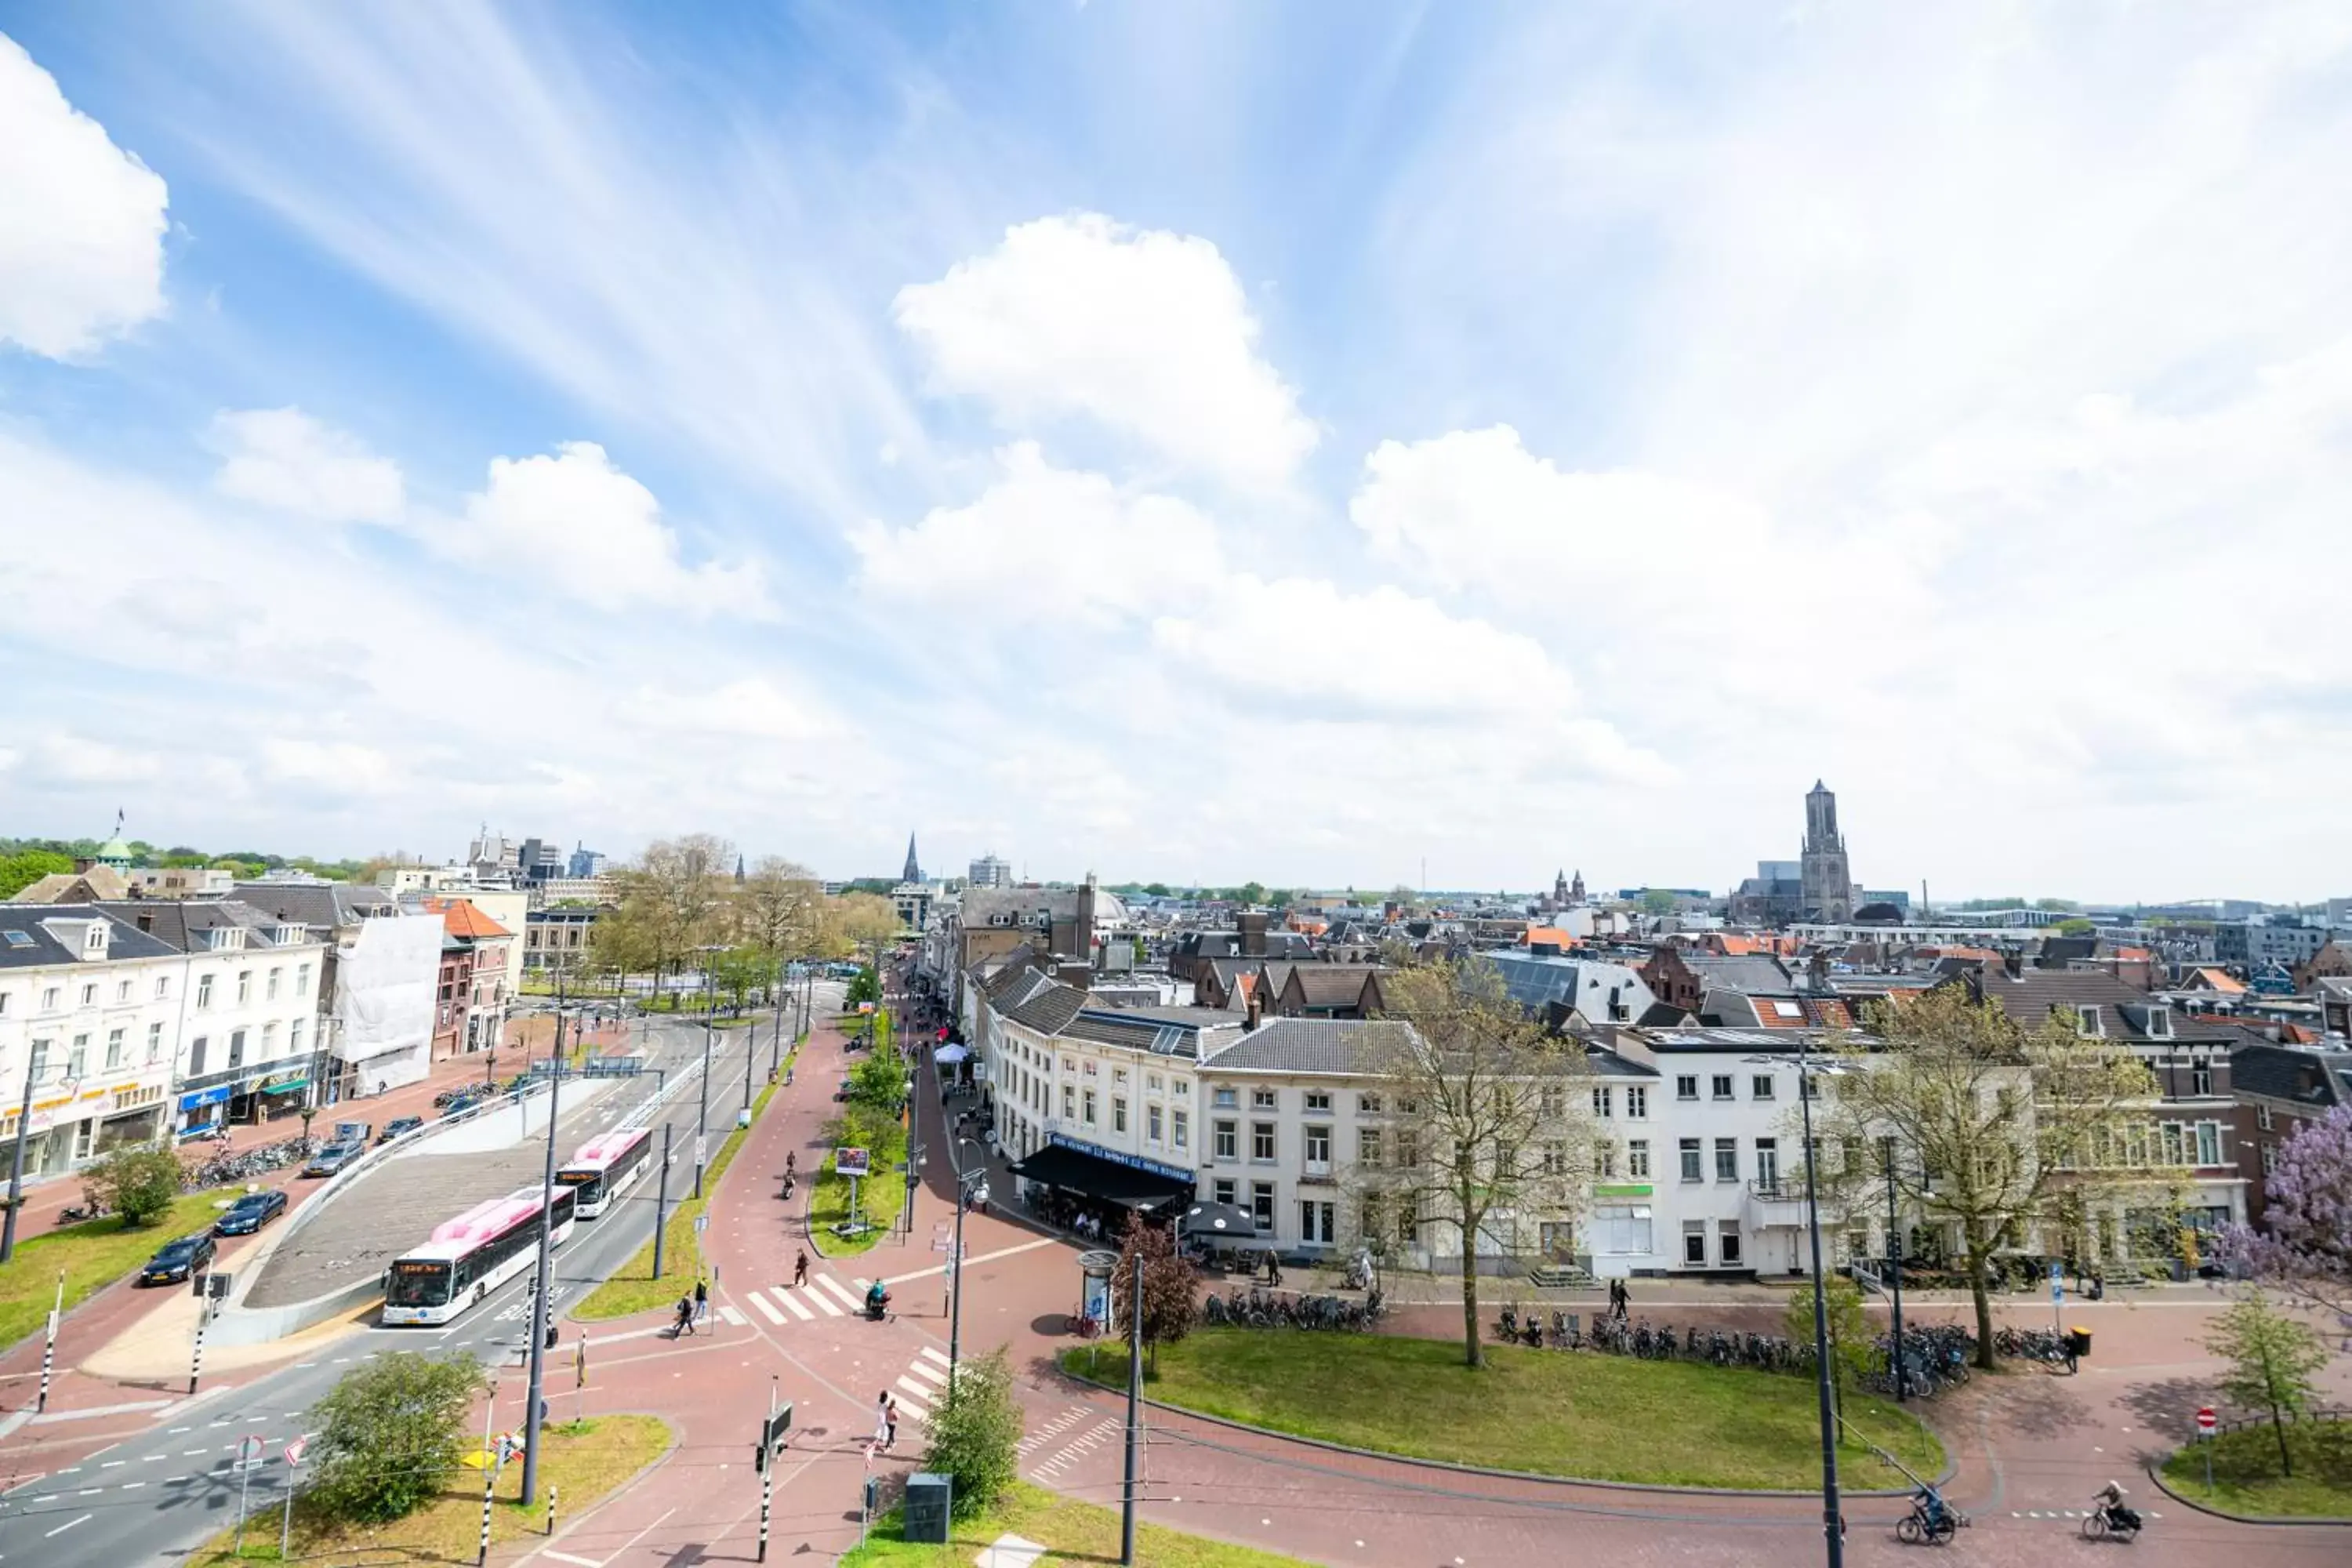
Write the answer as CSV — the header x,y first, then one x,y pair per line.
x,y
1832,1521
16,1157
702,1117
542,1303
966,1185
1894,1268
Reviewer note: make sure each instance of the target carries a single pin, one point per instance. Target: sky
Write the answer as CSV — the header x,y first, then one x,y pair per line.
x,y
1303,442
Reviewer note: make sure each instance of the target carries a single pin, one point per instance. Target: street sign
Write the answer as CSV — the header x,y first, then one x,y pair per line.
x,y
250,1449
702,1224
2206,1421
296,1449
2057,1284
853,1162
701,1149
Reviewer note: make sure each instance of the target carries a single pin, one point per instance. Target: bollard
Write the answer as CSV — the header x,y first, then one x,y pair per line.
x,y
551,1490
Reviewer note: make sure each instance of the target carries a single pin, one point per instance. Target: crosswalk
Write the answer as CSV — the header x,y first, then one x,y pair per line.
x,y
1078,1445
924,1383
823,1296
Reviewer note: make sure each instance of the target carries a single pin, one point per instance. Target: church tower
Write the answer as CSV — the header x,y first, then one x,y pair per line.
x,y
914,871
1828,882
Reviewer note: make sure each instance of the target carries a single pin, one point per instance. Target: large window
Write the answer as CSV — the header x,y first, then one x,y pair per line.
x,y
1727,1159
1319,1148
1727,1242
1637,1101
1153,1123
1621,1232
1695,1242
1261,1141
1603,1101
1691,1157
1722,1087
1118,1113
1637,1159
1687,1086
1262,1206
1180,1124
1367,1147
1228,1140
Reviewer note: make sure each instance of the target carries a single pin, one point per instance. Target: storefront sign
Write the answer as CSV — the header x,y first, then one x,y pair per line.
x,y
1623,1190
1133,1161
204,1097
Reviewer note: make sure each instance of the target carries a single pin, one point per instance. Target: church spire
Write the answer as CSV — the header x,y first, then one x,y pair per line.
x,y
914,871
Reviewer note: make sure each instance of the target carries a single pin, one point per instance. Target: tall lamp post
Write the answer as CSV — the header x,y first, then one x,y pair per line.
x,y
1832,1521
1895,1266
702,1117
543,1307
972,1180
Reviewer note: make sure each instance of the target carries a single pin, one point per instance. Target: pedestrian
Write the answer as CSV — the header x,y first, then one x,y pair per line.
x,y
1273,1270
702,1301
889,1421
684,1318
882,1419
799,1269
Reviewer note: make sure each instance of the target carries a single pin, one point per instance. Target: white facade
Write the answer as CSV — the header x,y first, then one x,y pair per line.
x,y
249,1020
91,1032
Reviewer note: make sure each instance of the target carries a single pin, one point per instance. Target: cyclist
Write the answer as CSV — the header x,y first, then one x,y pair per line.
x,y
1930,1505
2110,1499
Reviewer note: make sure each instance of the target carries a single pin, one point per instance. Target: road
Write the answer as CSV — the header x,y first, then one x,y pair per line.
x,y
156,1496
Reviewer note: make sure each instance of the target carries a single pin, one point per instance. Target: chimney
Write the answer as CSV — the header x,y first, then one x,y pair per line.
x,y
1256,1011
1252,928
2013,960
1082,940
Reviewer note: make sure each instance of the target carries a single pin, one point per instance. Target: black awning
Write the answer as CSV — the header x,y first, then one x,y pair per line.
x,y
1058,1165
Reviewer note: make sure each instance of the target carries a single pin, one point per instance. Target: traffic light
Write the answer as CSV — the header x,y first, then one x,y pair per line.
x,y
773,1429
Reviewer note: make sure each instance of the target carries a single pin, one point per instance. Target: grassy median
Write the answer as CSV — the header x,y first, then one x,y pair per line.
x,y
2247,1479
1565,1413
881,1198
582,1462
1074,1532
633,1287
93,1256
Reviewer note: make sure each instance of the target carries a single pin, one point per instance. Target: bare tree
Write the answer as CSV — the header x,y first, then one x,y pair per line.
x,y
2002,1134
675,895
856,920
776,910
1487,1130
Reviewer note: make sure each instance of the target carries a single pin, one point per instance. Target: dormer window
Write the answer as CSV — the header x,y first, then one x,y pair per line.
x,y
94,940
2087,1021
2159,1023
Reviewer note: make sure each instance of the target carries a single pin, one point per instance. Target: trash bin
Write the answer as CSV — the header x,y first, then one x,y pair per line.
x,y
2078,1343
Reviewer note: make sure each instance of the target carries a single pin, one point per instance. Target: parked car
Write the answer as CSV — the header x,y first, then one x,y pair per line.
x,y
515,1084
398,1125
251,1213
178,1260
333,1158
462,1102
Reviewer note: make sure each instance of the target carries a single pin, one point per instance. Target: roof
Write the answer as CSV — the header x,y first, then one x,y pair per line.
x,y
327,907
74,887
177,923
1159,1031
466,919
1346,1046
2033,994
1551,935
2217,979
26,943
1332,985
1755,973
1047,1008
2283,1072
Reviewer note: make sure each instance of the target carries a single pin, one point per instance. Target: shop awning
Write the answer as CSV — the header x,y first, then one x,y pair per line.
x,y
290,1085
1075,1169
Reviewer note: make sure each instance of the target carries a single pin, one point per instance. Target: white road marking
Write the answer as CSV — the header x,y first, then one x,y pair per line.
x,y
847,1298
766,1310
733,1317
825,1303
934,1376
916,1394
792,1300
940,1356
567,1557
60,1529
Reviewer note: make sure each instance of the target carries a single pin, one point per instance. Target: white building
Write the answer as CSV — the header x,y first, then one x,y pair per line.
x,y
89,1013
384,966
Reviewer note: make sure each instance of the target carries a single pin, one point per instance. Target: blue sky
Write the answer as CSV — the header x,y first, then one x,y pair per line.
x,y
1287,441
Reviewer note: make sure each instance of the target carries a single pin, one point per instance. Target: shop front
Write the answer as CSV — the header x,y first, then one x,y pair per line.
x,y
202,1110
1094,1191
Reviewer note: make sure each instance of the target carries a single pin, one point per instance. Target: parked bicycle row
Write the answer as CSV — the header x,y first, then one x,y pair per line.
x,y
222,1170
1260,1308
1934,1357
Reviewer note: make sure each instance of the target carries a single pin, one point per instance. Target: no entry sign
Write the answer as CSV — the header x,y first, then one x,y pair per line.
x,y
2206,1420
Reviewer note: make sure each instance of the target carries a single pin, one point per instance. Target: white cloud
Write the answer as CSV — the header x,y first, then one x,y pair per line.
x,y
1144,332
578,523
1043,544
330,768
282,458
81,221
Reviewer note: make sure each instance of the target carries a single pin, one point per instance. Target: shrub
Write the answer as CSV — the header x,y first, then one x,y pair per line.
x,y
975,1434
390,1434
137,1181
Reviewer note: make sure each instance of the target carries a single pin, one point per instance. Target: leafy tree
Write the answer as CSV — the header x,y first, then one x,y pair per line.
x,y
22,870
2014,1129
2273,1360
1251,894
1486,1133
2305,1247
864,985
672,897
1169,1309
738,970
1657,901
878,1081
1850,1337
1156,890
2056,906
776,910
389,1434
975,1434
854,922
2077,926
1281,899
137,1181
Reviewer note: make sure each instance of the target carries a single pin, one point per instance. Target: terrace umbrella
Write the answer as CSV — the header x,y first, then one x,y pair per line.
x,y
1216,1219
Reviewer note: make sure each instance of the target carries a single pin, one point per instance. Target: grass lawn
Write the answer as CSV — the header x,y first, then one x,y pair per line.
x,y
1604,1417
2246,1478
93,1256
1077,1533
633,1287
582,1462
882,1197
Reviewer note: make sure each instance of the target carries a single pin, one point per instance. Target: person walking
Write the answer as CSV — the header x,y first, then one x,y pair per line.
x,y
882,1419
889,1421
684,1318
702,1301
799,1269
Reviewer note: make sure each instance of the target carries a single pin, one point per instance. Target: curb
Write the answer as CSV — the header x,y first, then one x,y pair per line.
x,y
1952,1466
2322,1520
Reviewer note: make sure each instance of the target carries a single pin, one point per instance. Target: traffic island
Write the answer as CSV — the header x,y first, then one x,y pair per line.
x,y
1072,1533
582,1463
92,1255
1575,1415
2252,1479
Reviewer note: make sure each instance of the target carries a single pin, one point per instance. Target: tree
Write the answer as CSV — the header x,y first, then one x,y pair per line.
x,y
1657,901
1486,1130
674,895
856,921
1851,1339
1249,893
2307,1245
738,968
1156,890
878,1081
2272,1361
866,985
1999,1131
2076,926
1169,1309
776,910
975,1434
389,1434
137,1181
22,870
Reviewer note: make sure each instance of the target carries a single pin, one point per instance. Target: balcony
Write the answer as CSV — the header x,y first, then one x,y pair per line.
x,y
1780,1201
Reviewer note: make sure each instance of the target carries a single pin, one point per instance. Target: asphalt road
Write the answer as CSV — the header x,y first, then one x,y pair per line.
x,y
153,1499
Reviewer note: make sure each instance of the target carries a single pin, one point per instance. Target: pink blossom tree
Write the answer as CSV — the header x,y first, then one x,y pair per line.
x,y
2306,1244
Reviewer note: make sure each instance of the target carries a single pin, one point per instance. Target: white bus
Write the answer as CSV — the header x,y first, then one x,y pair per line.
x,y
471,1256
607,1166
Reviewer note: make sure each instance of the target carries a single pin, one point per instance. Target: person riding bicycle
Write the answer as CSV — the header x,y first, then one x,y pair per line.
x,y
2110,1499
1930,1505
877,1301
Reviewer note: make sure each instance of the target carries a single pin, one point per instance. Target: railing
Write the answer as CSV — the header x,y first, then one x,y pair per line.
x,y
2309,1418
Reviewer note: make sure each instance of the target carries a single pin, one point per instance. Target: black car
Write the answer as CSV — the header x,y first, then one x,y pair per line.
x,y
189,1255
398,1125
251,1213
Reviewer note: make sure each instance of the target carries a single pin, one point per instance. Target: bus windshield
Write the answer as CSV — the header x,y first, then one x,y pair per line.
x,y
420,1283
587,1186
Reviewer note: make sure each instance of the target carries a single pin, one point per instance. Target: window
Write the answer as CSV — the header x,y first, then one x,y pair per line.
x,y
236,1047
163,986
1317,1101
197,1057
1603,1101
1367,1147
294,1038
271,992
1153,1119
1690,1154
1695,1242
1118,1113
113,1049
1262,1206
1727,1159
90,995
204,991
2209,1142
1687,1086
1727,1242
2159,1023
123,990
1224,1100
2263,1117
1408,1226
1228,1137
4,996
1368,1105
155,1043
1720,1088
1222,1189
2175,1152
1604,1160
2270,1158
1637,1159
1768,1164
49,999
78,1057
244,986
1180,1084
1152,1081
2087,1022
1069,1102
269,1040
1319,1148
1261,1141
1637,1101
38,1066
1089,1106
303,973
1118,1075
2200,1078
1180,1124
1408,1149
1314,1223
1621,1231
1759,1087
1261,1100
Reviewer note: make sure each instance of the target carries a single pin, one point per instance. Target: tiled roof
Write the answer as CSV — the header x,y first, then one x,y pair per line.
x,y
1757,975
1332,985
1049,1009
1356,1046
2221,980
2285,1072
321,908
1552,934
98,882
175,922
25,944
2031,995
463,919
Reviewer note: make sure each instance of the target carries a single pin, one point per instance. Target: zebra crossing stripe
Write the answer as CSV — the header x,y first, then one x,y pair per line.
x,y
792,1300
933,1376
916,1394
734,1319
766,1311
825,1303
929,1354
843,1293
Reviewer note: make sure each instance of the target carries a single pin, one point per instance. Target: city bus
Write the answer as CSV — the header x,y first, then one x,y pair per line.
x,y
605,1167
471,1256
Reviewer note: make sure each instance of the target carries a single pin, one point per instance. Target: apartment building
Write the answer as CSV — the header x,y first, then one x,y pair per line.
x,y
90,1012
